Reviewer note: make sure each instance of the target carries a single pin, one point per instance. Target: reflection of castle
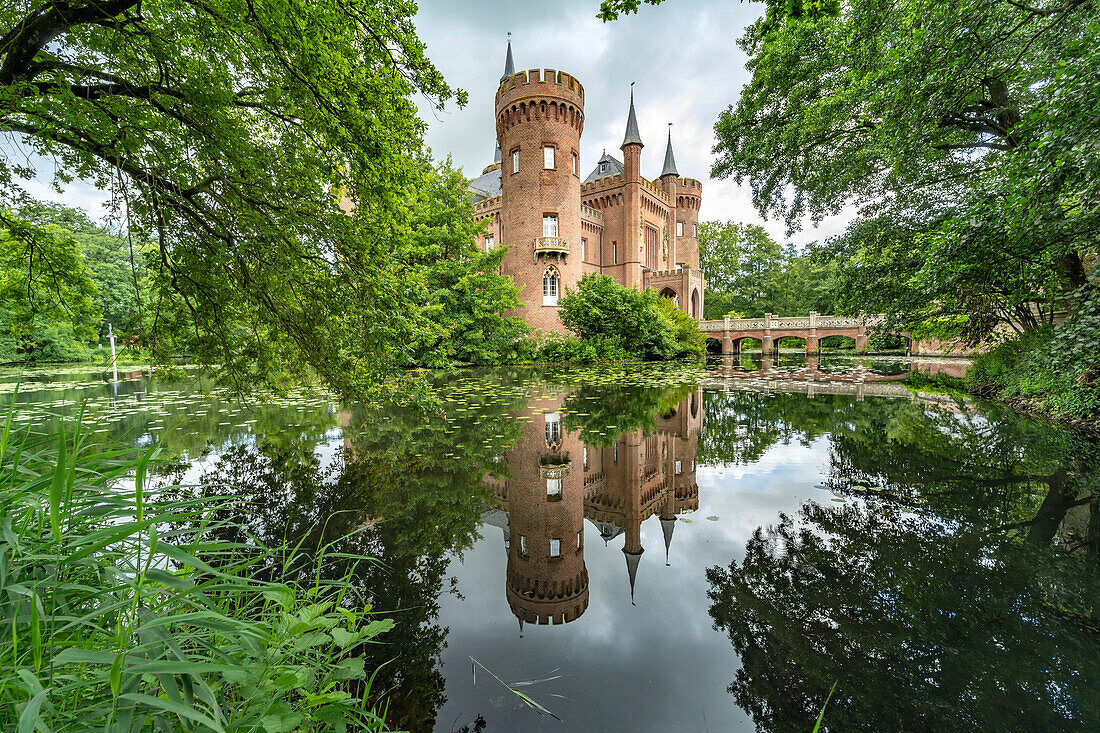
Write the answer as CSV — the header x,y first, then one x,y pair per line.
x,y
556,482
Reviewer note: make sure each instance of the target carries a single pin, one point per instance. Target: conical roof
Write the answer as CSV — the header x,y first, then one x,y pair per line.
x,y
667,525
670,160
632,559
496,155
509,64
632,134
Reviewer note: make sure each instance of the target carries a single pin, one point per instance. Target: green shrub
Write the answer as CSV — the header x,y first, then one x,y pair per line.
x,y
601,309
557,348
115,621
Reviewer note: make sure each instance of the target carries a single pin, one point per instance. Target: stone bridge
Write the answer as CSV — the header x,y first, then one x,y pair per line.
x,y
811,329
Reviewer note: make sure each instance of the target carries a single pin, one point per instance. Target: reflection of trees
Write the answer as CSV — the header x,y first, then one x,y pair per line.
x,y
406,491
923,627
937,602
603,413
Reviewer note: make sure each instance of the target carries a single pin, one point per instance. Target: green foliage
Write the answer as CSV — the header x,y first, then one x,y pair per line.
x,y
115,621
750,274
558,349
969,155
601,309
1031,368
47,295
234,134
459,288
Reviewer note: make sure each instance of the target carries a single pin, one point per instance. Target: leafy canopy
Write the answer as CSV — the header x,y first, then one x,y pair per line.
x,y
228,131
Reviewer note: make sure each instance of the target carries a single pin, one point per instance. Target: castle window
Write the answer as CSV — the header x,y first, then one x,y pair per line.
x,y
579,533
523,544
679,468
488,242
553,489
555,548
576,165
549,225
679,229
616,455
614,253
585,456
515,161
584,242
548,157
695,230
550,282
553,430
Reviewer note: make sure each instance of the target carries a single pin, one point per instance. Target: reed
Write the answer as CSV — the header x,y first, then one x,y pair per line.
x,y
121,611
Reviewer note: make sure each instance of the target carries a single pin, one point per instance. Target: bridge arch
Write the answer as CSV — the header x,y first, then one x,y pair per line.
x,y
800,341
837,341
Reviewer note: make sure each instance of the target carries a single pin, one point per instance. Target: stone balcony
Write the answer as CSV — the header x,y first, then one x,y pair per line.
x,y
551,245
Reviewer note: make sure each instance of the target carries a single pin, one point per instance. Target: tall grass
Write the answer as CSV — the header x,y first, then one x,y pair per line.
x,y
120,612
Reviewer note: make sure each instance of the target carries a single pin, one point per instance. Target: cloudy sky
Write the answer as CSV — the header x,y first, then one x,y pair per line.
x,y
682,55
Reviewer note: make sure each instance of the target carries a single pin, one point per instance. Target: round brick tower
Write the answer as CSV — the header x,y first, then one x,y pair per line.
x,y
547,582
540,116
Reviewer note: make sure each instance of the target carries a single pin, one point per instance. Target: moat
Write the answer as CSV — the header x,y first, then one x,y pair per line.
x,y
670,547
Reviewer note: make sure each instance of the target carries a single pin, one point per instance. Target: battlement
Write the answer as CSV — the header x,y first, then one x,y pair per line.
x,y
689,183
589,212
600,184
491,167
541,82
656,190
487,204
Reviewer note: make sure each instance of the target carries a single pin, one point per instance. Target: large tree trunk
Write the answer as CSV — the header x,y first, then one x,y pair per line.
x,y
1053,510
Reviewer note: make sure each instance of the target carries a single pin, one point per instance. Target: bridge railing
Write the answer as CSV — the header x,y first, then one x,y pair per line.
x,y
795,323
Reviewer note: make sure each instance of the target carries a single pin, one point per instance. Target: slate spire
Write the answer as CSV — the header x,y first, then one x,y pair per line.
x,y
670,159
632,559
509,64
668,524
632,135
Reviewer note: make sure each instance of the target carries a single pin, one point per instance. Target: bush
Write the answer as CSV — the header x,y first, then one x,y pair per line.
x,y
113,620
1027,367
601,309
557,348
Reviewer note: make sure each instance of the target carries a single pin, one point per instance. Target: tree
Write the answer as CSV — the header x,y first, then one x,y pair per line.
x,y
231,133
459,288
47,295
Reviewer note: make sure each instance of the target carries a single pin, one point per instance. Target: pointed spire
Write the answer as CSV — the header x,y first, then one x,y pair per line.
x,y
520,627
670,160
667,525
496,155
632,135
509,64
632,559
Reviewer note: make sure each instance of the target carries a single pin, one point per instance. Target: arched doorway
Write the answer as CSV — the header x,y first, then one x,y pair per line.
x,y
671,295
695,304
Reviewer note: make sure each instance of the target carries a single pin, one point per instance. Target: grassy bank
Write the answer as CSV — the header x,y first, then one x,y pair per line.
x,y
1024,374
122,611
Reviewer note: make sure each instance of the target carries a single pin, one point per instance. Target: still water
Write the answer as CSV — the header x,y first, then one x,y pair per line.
x,y
668,547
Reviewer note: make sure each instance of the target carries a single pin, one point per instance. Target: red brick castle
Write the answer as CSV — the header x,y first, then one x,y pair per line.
x,y
642,233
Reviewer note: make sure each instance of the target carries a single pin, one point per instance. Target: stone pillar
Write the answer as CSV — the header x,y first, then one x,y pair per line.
x,y
861,342
727,343
813,344
767,344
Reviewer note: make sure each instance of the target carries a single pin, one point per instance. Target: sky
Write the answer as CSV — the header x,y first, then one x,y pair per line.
x,y
682,55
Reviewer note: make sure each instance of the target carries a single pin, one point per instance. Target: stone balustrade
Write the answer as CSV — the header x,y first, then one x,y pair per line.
x,y
796,323
544,245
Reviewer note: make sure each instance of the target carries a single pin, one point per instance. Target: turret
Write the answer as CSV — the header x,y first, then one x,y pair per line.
x,y
632,197
669,177
540,117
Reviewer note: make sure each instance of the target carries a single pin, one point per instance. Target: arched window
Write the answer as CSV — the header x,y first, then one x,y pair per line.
x,y
550,283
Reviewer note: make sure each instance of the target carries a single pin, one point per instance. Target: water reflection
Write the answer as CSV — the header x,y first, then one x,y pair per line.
x,y
554,480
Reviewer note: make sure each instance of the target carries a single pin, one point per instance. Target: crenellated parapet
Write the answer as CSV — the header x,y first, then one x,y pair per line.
x,y
545,94
602,184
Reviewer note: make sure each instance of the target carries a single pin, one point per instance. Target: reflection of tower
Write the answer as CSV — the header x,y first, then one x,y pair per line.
x,y
645,474
547,581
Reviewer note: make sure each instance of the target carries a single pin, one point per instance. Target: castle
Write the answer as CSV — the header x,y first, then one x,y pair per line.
x,y
644,234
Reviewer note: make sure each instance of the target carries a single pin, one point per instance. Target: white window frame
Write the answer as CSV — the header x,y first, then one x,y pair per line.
x,y
695,230
576,164
515,161
548,157
549,225
555,548
523,544
580,533
583,247
553,488
488,242
551,286
679,229
679,468
553,427
585,454
614,253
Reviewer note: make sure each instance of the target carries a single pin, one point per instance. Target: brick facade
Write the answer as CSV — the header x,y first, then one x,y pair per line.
x,y
643,233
